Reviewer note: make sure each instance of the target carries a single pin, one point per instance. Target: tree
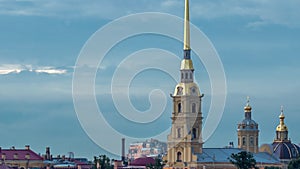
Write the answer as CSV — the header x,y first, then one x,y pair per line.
x,y
294,164
243,160
102,162
157,165
272,167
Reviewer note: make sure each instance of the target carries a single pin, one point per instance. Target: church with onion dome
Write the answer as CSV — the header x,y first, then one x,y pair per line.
x,y
282,147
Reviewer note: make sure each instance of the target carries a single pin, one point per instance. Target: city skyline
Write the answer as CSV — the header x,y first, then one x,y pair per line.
x,y
258,43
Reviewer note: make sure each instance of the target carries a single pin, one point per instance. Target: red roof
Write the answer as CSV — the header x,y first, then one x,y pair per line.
x,y
22,154
143,161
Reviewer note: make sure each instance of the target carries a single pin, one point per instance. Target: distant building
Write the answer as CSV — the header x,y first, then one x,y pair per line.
x,y
139,163
148,148
20,158
63,162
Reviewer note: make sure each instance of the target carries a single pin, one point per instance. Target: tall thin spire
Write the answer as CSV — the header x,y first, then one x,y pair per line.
x,y
187,47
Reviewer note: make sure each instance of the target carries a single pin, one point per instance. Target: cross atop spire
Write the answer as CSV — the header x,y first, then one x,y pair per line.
x,y
248,100
187,47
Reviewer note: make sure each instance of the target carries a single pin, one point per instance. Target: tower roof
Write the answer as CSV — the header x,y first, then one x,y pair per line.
x,y
281,127
187,26
248,123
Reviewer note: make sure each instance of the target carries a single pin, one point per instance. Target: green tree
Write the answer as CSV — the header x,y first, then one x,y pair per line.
x,y
157,165
294,164
243,160
272,167
102,162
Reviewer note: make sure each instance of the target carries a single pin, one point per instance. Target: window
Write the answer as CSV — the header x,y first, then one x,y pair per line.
x,y
178,132
244,141
194,108
191,75
179,107
239,142
179,157
194,133
182,77
251,141
186,75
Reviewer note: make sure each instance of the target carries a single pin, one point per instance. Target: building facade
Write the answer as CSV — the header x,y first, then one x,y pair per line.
x,y
21,158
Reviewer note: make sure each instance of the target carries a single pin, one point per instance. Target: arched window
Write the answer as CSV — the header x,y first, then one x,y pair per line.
x,y
194,132
194,108
179,107
179,132
244,141
179,157
251,141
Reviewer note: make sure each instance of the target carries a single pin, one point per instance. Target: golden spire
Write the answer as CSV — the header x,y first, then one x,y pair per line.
x,y
248,108
281,126
187,26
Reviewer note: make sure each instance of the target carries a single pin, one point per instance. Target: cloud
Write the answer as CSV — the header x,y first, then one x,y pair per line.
x,y
50,70
18,68
8,69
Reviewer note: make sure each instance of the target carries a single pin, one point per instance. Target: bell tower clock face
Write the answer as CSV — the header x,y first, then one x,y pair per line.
x,y
193,90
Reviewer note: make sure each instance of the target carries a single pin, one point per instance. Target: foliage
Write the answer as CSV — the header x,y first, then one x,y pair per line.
x,y
294,164
243,160
157,165
102,162
272,168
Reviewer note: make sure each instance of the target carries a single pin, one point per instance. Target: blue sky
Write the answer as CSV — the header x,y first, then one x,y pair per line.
x,y
258,43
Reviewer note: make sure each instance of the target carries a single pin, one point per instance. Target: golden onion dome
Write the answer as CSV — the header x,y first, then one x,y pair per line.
x,y
247,108
281,127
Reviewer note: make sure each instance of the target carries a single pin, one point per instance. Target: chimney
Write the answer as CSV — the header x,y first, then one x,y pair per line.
x,y
123,149
27,147
48,156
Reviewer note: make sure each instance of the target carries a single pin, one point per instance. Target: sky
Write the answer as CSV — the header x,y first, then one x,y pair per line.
x,y
258,42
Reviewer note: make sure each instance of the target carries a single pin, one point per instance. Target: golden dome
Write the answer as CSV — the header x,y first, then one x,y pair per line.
x,y
248,108
281,126
187,64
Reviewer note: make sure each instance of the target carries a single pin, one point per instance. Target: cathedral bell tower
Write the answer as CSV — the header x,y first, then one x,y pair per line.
x,y
248,131
185,138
